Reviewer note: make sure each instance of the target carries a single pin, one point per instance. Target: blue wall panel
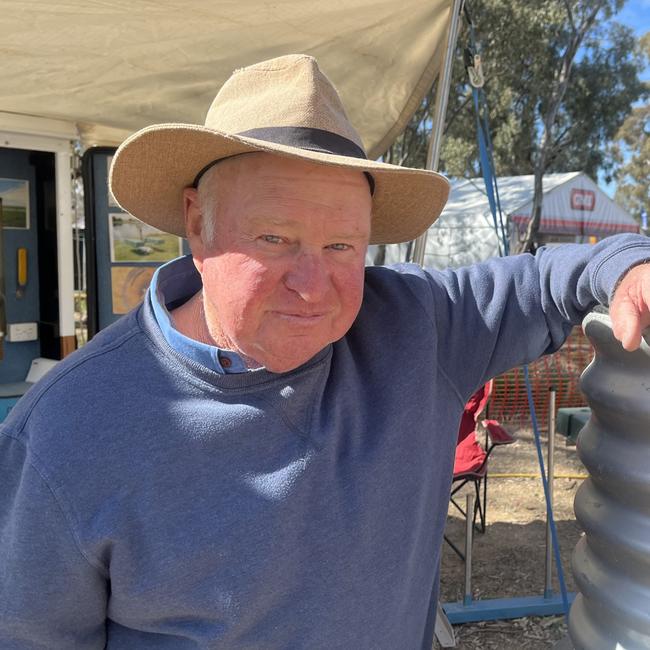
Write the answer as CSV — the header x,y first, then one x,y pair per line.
x,y
14,164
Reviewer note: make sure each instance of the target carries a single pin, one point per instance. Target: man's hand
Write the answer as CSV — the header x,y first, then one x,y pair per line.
x,y
630,308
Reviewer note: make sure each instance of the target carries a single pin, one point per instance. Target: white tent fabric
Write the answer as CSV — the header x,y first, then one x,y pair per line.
x,y
573,205
109,68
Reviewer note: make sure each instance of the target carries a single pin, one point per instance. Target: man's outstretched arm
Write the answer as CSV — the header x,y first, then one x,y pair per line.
x,y
505,312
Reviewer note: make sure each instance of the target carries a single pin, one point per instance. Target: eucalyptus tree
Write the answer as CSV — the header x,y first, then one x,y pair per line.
x,y
561,76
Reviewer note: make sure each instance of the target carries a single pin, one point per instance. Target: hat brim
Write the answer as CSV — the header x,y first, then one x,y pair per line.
x,y
153,166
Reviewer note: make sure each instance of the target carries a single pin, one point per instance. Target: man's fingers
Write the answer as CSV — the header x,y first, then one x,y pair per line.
x,y
643,307
626,323
630,308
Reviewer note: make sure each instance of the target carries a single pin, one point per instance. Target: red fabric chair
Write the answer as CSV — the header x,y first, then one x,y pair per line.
x,y
471,463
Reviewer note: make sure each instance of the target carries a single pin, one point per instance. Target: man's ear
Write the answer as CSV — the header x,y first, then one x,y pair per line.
x,y
194,225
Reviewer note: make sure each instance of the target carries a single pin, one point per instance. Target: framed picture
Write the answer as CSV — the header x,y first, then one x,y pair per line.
x,y
128,286
133,241
15,203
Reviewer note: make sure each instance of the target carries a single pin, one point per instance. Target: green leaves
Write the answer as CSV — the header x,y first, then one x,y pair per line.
x,y
523,47
632,153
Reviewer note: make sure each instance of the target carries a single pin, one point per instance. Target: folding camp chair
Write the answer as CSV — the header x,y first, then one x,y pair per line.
x,y
471,464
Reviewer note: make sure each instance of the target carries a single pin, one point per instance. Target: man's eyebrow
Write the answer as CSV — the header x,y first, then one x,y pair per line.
x,y
273,221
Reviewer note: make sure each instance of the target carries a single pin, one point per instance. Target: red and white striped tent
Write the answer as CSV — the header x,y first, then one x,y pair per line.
x,y
574,209
573,205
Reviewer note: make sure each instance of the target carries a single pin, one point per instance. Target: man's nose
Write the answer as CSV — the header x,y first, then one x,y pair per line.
x,y
308,277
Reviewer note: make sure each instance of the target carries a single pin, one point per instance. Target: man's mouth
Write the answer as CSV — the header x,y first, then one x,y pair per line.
x,y
297,317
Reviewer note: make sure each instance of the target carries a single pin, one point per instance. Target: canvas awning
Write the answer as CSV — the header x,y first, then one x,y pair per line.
x,y
106,69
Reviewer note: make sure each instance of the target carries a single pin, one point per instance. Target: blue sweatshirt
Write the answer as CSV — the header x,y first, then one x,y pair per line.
x,y
148,502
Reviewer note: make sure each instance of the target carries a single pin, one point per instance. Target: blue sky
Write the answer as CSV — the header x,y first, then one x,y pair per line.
x,y
636,14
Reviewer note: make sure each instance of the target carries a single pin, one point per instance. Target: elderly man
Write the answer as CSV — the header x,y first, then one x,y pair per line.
x,y
260,455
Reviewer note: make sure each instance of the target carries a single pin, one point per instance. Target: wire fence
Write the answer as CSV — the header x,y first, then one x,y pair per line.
x,y
561,370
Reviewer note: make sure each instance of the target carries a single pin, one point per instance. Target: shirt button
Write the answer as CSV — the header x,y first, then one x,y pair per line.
x,y
225,361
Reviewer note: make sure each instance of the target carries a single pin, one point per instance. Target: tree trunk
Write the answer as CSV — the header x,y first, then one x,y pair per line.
x,y
546,146
528,244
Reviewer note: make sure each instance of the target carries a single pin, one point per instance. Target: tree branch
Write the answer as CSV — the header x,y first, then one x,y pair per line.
x,y
567,6
458,111
558,142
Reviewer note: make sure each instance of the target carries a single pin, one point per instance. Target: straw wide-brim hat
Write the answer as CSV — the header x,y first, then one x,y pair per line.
x,y
287,107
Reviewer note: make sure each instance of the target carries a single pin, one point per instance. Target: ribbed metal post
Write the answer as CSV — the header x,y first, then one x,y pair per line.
x,y
611,563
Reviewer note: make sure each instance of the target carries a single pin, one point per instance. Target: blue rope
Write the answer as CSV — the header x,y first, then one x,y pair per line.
x,y
547,497
486,156
485,146
486,168
486,128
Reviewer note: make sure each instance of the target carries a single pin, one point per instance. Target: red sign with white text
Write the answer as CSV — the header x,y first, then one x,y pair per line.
x,y
583,200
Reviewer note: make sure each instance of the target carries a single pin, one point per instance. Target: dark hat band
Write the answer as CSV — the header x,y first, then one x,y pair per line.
x,y
305,137
302,137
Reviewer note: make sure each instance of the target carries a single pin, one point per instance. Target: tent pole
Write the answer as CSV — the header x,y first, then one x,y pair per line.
x,y
438,126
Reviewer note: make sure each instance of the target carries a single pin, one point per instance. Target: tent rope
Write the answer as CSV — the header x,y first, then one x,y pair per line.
x,y
486,157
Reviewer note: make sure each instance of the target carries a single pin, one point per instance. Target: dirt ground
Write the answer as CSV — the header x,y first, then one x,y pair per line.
x,y
508,560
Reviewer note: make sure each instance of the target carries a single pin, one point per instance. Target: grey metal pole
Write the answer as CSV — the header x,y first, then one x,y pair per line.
x,y
611,563
469,534
548,583
438,126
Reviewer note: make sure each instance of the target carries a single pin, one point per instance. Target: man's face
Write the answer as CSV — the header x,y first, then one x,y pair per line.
x,y
283,272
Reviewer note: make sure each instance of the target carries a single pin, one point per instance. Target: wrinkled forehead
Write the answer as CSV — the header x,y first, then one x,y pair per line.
x,y
262,175
256,188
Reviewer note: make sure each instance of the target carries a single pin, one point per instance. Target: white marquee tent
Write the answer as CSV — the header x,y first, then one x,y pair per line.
x,y
573,207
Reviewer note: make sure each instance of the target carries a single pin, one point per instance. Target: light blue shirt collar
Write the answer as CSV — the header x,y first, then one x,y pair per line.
x,y
172,285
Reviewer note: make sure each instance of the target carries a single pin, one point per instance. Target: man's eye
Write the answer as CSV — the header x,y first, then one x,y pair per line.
x,y
339,247
272,239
